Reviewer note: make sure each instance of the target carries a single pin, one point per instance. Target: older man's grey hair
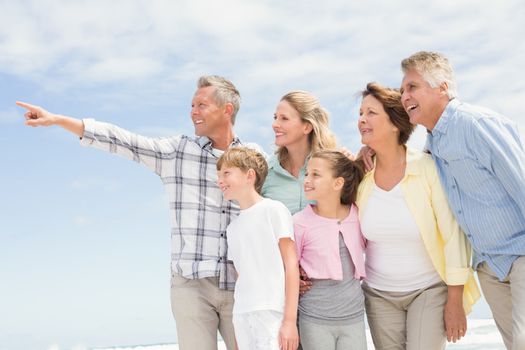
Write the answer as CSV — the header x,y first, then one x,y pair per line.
x,y
434,67
225,91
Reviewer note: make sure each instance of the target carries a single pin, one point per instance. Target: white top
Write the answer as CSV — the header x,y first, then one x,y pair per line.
x,y
253,245
396,258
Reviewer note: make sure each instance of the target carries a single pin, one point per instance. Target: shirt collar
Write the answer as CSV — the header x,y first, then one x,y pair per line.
x,y
277,167
205,142
443,121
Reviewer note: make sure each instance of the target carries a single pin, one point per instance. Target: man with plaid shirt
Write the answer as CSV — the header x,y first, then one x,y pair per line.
x,y
202,278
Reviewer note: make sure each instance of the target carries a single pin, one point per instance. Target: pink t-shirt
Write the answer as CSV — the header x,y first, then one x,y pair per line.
x,y
317,243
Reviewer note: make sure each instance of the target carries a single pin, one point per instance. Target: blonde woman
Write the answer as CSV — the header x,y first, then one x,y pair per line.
x,y
301,127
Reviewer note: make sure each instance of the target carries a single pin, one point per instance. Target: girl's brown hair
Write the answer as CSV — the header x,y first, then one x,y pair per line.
x,y
351,171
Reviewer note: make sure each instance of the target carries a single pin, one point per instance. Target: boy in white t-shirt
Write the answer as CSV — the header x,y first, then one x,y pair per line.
x,y
260,243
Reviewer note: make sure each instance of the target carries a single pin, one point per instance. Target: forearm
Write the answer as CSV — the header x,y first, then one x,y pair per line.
x,y
76,126
291,293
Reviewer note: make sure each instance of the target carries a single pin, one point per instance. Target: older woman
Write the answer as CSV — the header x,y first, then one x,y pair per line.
x,y
419,285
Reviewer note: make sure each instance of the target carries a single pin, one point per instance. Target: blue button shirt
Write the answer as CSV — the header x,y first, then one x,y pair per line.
x,y
284,187
481,164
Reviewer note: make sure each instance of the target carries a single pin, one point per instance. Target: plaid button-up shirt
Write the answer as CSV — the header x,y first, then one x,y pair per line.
x,y
199,214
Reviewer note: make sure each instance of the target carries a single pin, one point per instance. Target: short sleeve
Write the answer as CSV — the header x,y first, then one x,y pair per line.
x,y
299,233
281,220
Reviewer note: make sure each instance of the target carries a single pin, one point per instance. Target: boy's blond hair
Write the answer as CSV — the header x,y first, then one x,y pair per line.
x,y
245,159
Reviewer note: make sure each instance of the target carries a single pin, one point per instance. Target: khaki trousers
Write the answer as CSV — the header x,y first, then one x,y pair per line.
x,y
407,320
507,301
201,309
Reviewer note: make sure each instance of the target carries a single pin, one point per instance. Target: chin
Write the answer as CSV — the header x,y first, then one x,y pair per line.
x,y
279,143
366,141
309,197
200,131
414,119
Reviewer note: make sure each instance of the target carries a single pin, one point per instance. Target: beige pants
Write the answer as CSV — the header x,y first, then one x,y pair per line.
x,y
507,301
200,309
407,320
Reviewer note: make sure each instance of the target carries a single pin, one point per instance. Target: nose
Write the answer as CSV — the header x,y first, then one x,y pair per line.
x,y
306,179
404,97
193,110
275,124
361,119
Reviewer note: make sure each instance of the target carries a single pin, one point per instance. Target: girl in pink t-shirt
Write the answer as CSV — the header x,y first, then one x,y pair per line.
x,y
330,249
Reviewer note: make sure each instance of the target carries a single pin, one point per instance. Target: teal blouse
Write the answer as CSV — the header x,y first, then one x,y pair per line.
x,y
284,187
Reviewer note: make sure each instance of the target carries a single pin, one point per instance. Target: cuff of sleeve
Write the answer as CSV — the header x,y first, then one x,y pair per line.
x,y
89,131
457,276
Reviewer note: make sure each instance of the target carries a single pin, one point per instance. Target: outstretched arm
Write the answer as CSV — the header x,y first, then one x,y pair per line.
x,y
37,116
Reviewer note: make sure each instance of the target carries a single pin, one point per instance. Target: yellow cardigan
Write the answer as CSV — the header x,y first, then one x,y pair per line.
x,y
444,240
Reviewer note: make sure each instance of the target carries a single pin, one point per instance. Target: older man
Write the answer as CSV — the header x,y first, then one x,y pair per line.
x,y
481,162
202,278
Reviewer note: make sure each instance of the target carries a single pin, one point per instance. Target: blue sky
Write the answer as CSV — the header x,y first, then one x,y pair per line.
x,y
84,236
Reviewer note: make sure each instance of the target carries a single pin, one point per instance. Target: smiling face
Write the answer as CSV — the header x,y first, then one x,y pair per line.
x,y
374,124
423,103
319,180
233,182
288,126
209,119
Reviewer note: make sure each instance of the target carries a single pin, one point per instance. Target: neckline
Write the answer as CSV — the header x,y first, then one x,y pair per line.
x,y
381,190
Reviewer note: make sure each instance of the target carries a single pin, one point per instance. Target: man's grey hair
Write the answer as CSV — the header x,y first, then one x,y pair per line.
x,y
225,91
434,68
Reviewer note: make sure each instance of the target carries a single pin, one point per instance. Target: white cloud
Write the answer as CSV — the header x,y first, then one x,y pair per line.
x,y
268,48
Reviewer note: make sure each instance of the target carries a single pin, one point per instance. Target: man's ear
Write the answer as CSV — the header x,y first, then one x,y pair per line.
x,y
228,109
443,88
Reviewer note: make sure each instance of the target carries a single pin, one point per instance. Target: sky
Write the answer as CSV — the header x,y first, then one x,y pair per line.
x,y
84,235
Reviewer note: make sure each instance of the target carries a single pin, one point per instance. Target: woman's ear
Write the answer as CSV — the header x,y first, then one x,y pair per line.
x,y
307,128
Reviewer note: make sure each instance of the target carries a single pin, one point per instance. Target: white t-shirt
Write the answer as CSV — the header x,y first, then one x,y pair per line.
x,y
253,245
396,258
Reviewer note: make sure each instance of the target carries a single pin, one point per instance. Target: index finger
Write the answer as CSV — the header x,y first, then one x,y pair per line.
x,y
26,105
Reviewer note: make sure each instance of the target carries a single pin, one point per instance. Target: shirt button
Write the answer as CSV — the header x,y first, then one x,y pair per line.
x,y
339,222
222,234
446,163
454,186
223,211
460,212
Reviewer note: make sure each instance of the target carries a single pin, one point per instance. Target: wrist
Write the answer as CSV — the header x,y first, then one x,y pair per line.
x,y
57,119
289,320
